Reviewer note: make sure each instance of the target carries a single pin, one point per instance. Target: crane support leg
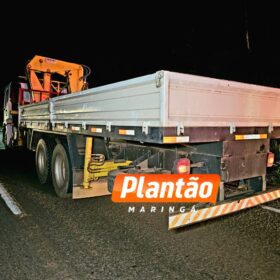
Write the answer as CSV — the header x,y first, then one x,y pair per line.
x,y
95,173
90,188
88,152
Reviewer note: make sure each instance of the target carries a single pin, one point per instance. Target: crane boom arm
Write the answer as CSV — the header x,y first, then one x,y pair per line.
x,y
48,66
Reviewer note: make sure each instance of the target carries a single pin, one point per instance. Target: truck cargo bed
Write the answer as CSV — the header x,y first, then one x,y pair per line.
x,y
160,106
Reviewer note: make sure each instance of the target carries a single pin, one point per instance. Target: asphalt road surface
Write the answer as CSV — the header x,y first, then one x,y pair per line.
x,y
97,239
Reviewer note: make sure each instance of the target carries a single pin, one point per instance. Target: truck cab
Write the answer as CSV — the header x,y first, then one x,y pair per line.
x,y
10,115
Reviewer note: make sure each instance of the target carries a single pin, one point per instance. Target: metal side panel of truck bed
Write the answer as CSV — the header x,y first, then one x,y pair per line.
x,y
161,105
199,101
128,103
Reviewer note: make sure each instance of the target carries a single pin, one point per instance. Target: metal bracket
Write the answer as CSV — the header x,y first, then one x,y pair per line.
x,y
198,164
145,127
180,129
51,110
159,75
108,126
221,191
270,128
232,128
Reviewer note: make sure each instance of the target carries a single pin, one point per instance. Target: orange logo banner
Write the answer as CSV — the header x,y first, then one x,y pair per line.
x,y
166,188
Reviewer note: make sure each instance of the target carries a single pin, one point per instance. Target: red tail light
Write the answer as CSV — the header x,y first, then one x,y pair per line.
x,y
182,166
270,159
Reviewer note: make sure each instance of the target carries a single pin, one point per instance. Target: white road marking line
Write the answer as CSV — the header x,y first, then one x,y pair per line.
x,y
10,202
271,209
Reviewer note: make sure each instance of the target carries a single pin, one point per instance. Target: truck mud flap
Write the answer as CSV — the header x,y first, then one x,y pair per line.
x,y
196,216
98,188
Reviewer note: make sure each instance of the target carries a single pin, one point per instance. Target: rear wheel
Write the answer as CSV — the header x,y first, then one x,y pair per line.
x,y
43,161
61,171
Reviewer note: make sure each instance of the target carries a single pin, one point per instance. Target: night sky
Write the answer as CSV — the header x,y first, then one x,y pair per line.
x,y
201,38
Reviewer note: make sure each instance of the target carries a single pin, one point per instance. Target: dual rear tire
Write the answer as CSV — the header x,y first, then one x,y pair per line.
x,y
43,161
54,164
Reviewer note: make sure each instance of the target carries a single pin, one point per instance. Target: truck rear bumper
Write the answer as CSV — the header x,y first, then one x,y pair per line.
x,y
196,216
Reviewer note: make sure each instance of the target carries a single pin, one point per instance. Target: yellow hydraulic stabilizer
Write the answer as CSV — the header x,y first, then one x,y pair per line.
x,y
96,170
73,72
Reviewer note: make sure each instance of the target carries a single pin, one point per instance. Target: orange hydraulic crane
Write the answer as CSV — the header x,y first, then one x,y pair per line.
x,y
42,72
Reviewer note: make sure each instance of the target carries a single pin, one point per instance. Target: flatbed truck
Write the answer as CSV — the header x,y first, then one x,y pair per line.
x,y
151,124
